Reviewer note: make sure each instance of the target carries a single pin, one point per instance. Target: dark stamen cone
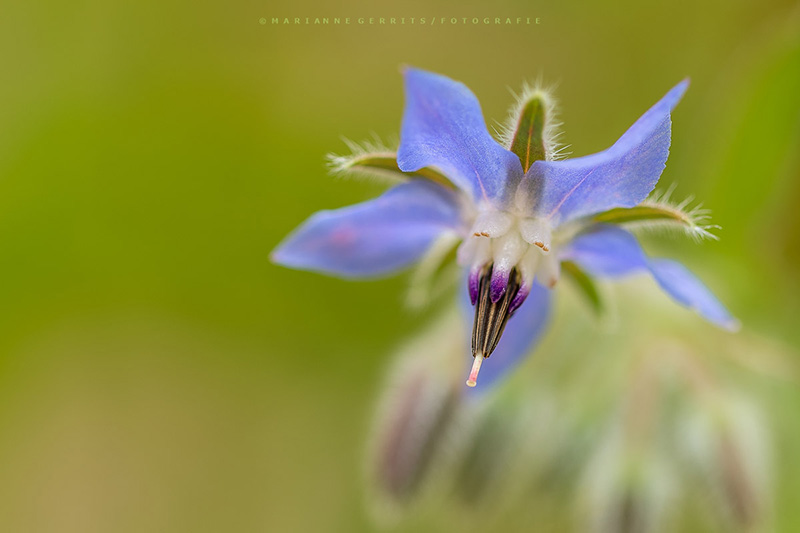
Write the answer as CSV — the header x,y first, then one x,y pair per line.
x,y
491,317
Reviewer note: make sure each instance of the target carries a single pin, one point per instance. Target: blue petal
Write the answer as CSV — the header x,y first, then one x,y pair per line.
x,y
443,127
609,251
522,332
621,176
684,287
373,238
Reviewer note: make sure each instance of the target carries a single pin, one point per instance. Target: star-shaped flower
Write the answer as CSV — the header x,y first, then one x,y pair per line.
x,y
520,215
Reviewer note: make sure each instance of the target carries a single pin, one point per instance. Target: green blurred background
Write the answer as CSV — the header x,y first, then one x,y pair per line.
x,y
157,373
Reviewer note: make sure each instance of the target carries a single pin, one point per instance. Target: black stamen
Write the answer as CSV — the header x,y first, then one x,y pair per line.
x,y
490,317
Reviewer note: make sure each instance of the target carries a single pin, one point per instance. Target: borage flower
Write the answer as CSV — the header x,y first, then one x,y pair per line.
x,y
521,216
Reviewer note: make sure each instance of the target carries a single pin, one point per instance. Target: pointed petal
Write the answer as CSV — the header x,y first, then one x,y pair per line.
x,y
443,127
521,334
609,251
621,176
685,288
373,238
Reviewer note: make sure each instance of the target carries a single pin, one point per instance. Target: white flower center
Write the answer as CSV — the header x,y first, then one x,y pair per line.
x,y
503,241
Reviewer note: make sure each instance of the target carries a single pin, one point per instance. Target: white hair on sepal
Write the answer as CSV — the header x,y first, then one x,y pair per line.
x,y
553,149
371,159
677,215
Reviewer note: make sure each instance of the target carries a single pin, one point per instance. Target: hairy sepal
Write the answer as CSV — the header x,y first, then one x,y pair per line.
x,y
374,160
658,212
531,129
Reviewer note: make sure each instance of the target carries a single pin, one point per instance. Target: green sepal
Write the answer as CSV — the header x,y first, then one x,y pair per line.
x,y
586,284
435,273
660,213
640,213
528,141
382,164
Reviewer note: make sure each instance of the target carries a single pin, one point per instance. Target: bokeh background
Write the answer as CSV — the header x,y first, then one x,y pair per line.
x,y
157,373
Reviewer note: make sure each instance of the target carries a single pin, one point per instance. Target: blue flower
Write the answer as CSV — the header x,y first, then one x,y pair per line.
x,y
519,214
